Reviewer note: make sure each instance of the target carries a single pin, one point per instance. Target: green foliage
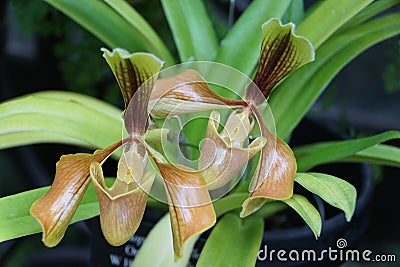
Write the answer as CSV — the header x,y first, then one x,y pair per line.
x,y
333,190
233,242
36,17
240,48
192,30
291,99
76,50
307,211
339,30
309,156
165,255
391,73
58,117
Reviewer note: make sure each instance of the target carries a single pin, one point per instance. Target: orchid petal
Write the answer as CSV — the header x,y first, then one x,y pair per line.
x,y
190,204
282,52
135,74
222,155
131,70
56,208
274,176
122,206
184,93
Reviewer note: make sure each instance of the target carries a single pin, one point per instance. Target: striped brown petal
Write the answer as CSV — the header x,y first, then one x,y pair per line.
x,y
122,205
55,209
274,176
190,204
184,93
282,52
135,74
222,155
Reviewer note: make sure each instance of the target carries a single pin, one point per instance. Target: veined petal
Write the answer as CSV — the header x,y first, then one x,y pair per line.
x,y
274,176
282,52
56,208
222,155
122,206
136,74
184,93
190,204
131,70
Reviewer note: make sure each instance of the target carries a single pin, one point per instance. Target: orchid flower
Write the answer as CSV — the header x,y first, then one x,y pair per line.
x,y
121,206
282,52
223,154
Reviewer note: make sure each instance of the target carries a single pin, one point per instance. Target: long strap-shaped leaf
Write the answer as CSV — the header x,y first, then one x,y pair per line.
x,y
165,257
233,242
194,35
44,118
292,98
240,48
370,11
312,155
379,154
148,36
103,22
329,16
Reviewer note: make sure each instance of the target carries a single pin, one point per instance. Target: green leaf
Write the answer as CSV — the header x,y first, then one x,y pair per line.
x,y
191,28
312,155
370,11
16,221
292,98
163,246
233,242
295,12
89,101
148,36
307,211
102,21
229,202
384,155
240,48
333,190
49,117
329,16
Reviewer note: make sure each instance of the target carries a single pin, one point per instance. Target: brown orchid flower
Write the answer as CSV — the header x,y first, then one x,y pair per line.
x,y
122,205
223,153
282,52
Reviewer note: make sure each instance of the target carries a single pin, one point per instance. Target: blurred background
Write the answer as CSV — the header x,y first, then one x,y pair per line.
x,y
41,49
